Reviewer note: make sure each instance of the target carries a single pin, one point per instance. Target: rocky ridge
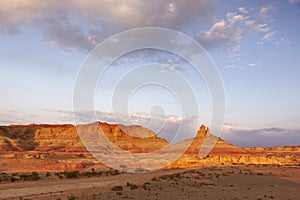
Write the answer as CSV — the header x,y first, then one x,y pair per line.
x,y
59,148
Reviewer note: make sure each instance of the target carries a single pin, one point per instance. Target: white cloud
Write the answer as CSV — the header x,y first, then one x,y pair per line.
x,y
234,18
219,33
229,31
268,36
263,24
256,27
294,1
265,12
284,42
223,32
243,10
229,66
170,67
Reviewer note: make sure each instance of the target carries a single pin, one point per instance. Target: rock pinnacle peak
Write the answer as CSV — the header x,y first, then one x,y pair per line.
x,y
202,131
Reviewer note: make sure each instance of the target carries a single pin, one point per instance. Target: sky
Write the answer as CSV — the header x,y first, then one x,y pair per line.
x,y
255,46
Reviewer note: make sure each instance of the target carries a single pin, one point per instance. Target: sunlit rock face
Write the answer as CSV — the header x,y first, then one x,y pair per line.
x,y
65,138
59,148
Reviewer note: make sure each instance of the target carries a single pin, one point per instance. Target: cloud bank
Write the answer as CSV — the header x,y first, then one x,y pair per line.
x,y
269,136
76,24
82,24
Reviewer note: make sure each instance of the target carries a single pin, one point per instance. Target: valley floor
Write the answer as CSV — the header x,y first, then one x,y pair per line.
x,y
222,182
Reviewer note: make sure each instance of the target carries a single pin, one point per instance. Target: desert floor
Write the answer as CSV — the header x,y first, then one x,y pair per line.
x,y
223,182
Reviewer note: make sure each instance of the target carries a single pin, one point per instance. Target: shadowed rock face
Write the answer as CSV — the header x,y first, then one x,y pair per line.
x,y
18,137
59,148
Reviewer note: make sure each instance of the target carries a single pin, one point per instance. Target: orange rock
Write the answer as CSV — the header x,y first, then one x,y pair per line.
x,y
59,148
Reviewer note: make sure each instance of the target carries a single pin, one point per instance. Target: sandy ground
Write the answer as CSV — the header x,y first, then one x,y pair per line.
x,y
226,182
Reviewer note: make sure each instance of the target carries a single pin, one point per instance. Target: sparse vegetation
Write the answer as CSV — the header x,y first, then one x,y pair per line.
x,y
171,177
48,174
132,186
92,173
177,184
206,184
144,186
59,175
34,176
13,179
117,188
72,174
4,177
72,198
141,170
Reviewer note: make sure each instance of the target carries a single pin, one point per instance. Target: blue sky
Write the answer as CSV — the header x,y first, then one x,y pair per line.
x,y
255,45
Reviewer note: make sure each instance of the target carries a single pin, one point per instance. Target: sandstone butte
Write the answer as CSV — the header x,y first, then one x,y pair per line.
x,y
59,148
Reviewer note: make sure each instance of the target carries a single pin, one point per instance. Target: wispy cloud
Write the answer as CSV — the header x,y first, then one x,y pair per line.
x,y
68,37
294,1
230,31
243,10
15,117
265,12
269,36
251,65
284,41
256,27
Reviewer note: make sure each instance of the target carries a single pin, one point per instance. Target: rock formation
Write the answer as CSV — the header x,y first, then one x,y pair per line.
x,y
59,148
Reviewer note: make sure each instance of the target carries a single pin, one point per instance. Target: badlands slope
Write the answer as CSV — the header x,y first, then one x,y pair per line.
x,y
59,148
